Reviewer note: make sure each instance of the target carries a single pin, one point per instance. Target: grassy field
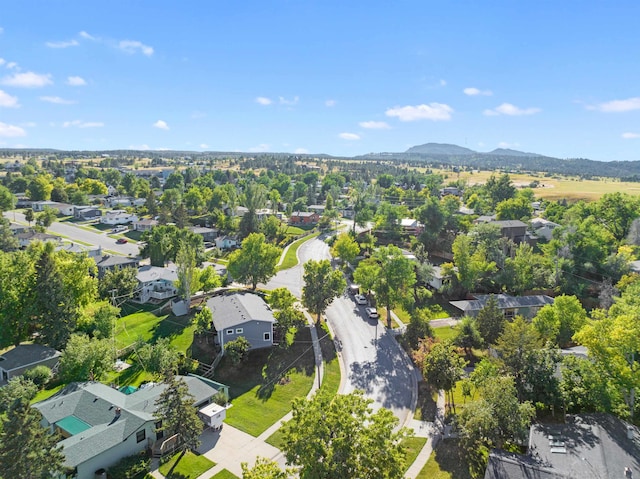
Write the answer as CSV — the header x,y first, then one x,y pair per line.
x,y
555,187
413,447
46,393
291,257
448,461
149,327
263,387
445,332
187,466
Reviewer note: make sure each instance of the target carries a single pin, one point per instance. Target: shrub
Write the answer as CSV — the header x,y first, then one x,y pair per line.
x,y
40,375
131,467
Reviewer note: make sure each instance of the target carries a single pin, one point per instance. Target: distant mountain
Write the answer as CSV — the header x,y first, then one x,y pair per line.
x,y
440,149
510,152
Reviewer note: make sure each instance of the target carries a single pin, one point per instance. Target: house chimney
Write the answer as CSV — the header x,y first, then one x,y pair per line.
x,y
630,432
118,411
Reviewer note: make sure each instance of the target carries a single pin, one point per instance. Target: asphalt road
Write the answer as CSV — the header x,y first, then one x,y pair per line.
x,y
73,233
373,360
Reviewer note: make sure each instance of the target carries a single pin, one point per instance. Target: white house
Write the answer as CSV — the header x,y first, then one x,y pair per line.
x,y
226,242
101,425
156,282
118,217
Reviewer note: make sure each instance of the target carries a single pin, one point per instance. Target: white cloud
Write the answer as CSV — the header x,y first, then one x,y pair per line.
x,y
11,131
443,82
29,124
8,101
63,44
27,80
432,111
511,110
2,61
504,144
301,151
617,106
1,30
134,46
76,81
471,91
12,65
349,136
630,136
161,124
204,146
263,100
139,147
83,124
375,125
260,148
86,36
330,103
284,101
57,100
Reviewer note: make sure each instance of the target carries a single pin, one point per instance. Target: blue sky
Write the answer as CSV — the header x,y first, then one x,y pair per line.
x,y
336,77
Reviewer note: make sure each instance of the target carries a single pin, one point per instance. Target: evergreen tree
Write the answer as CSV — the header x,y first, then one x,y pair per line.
x,y
178,414
28,450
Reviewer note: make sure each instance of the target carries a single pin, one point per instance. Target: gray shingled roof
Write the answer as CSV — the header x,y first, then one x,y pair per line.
x,y
146,274
96,403
108,261
25,354
231,310
504,302
507,465
509,223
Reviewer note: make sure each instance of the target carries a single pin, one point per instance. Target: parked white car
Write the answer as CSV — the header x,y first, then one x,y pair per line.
x,y
372,312
360,299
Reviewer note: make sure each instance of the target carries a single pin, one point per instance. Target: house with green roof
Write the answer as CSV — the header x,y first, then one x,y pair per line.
x,y
100,425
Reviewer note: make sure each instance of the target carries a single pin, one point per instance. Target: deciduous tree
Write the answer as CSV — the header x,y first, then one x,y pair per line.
x,y
255,262
322,284
345,248
85,359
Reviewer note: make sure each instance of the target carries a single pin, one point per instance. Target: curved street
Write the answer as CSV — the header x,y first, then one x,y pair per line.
x,y
373,360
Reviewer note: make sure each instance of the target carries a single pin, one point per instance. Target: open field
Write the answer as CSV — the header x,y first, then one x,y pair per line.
x,y
554,187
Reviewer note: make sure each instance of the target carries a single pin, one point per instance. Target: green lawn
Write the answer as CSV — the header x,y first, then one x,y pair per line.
x,y
149,327
291,258
263,387
46,393
187,466
413,447
445,332
224,474
448,461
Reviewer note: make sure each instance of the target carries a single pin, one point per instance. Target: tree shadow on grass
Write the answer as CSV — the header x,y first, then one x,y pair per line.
x,y
170,327
452,459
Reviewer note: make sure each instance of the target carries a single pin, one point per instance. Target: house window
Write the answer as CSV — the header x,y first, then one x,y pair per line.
x,y
141,435
509,313
239,330
229,331
267,336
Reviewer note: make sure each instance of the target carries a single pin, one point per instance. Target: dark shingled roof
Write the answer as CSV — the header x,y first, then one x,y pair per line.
x,y
25,354
504,302
231,310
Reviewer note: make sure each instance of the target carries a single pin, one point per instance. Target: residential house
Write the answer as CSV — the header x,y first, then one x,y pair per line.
x,y
25,239
91,252
86,213
39,206
584,446
156,283
145,224
242,314
347,212
119,201
118,217
108,262
23,357
511,306
263,213
543,228
450,190
63,209
515,230
411,226
317,208
17,228
208,234
226,242
23,201
304,218
101,425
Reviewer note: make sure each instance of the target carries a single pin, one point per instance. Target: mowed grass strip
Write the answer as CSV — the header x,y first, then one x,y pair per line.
x,y
224,474
186,466
291,257
447,461
413,446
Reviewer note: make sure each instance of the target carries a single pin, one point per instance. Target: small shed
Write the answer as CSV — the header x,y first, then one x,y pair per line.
x,y
213,415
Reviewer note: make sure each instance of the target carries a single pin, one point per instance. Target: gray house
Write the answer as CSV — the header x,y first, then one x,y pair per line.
x,y
242,314
26,356
108,262
100,425
511,306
